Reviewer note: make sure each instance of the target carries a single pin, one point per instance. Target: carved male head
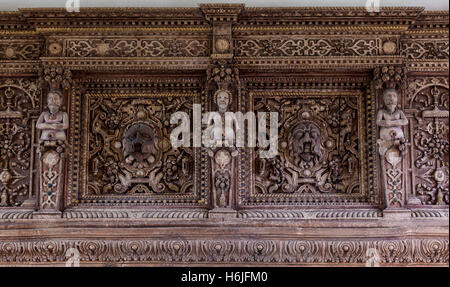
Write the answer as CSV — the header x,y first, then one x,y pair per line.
x,y
139,142
54,101
223,99
5,176
305,141
390,99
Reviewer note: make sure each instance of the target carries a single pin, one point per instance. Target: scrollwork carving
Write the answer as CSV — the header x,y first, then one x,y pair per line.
x,y
400,252
425,49
19,105
306,47
19,50
318,147
430,102
129,148
138,48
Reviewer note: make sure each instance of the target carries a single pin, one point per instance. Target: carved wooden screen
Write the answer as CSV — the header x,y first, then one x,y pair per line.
x,y
86,101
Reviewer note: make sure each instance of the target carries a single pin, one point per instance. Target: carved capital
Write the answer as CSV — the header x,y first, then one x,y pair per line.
x,y
387,77
223,74
221,12
56,77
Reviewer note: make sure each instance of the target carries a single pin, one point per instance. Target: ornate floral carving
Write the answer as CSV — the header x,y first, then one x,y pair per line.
x,y
319,147
425,49
388,77
222,171
12,50
56,77
19,104
138,48
309,64
306,47
129,147
401,252
430,141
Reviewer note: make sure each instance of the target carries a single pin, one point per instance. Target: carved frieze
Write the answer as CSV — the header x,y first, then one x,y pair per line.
x,y
164,47
428,49
20,50
282,47
400,252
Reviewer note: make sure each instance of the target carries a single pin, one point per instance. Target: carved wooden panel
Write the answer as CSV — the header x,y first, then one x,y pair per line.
x,y
362,159
428,101
20,100
321,150
270,47
126,154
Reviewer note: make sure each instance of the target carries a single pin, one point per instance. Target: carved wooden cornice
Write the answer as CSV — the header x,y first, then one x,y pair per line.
x,y
388,33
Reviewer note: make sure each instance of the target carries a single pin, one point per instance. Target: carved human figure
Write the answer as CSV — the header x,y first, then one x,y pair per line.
x,y
222,99
53,122
390,119
391,146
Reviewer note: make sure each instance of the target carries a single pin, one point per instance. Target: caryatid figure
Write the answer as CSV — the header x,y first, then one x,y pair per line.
x,y
53,122
390,119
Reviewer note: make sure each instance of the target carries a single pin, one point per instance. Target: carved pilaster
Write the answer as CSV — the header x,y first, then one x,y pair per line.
x,y
51,178
222,86
56,77
388,82
52,125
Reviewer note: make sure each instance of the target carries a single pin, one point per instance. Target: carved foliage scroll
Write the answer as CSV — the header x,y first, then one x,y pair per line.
x,y
426,49
18,50
128,154
19,106
155,47
307,47
320,149
429,105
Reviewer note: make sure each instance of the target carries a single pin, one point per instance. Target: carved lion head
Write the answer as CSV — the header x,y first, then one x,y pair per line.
x,y
305,139
139,143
